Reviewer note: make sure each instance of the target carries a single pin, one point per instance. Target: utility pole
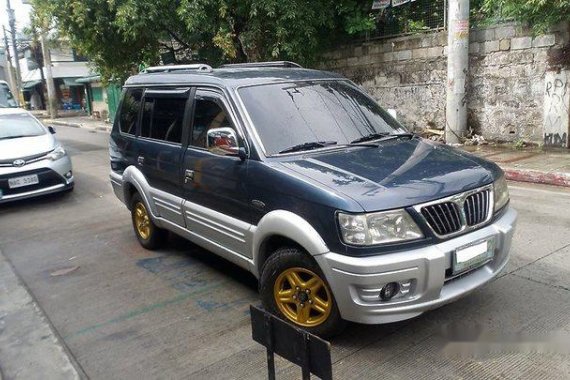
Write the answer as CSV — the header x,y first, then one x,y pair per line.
x,y
9,65
457,70
12,23
52,100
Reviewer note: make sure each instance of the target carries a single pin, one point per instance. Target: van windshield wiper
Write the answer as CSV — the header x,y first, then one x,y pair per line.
x,y
369,137
400,135
383,136
308,146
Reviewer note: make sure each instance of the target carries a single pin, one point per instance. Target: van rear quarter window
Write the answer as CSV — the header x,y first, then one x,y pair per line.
x,y
130,110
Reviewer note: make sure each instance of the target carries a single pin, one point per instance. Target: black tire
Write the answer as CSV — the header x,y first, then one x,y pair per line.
x,y
286,259
156,236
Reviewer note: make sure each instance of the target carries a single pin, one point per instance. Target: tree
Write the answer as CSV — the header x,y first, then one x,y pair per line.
x,y
540,14
120,35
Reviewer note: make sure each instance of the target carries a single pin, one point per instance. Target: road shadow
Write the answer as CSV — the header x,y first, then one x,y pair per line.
x,y
188,253
37,203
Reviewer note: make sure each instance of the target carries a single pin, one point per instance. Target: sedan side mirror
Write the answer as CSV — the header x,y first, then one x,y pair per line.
x,y
224,141
51,130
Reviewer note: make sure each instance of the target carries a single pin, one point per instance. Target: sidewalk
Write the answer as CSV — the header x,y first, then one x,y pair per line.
x,y
76,121
29,347
534,165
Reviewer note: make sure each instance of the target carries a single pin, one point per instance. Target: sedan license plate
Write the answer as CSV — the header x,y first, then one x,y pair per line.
x,y
473,256
26,180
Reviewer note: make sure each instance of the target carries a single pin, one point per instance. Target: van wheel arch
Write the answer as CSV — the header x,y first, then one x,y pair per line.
x,y
130,190
272,244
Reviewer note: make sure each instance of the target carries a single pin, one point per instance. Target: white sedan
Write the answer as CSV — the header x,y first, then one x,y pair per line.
x,y
32,161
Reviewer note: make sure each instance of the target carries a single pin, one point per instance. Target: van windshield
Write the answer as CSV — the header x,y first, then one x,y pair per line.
x,y
314,112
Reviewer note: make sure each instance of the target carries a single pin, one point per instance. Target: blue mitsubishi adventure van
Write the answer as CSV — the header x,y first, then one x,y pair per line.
x,y
300,177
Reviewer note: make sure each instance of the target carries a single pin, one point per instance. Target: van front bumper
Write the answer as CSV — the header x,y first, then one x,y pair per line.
x,y
356,281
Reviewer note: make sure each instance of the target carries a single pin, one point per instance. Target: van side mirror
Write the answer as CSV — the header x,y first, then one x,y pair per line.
x,y
242,153
393,113
51,130
224,141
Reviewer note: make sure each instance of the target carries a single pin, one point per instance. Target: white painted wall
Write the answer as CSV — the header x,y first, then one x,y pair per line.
x,y
557,108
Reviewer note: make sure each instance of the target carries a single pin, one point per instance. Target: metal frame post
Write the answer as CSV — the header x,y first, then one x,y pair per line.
x,y
269,351
12,24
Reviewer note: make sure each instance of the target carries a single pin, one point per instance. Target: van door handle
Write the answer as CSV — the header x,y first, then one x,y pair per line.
x,y
188,176
140,160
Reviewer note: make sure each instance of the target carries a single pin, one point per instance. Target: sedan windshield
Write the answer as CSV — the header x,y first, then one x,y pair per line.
x,y
19,125
289,115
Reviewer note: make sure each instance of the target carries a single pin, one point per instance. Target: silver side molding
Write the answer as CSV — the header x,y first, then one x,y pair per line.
x,y
231,238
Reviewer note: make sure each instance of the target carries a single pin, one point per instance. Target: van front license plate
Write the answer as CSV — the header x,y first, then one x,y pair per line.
x,y
473,256
27,180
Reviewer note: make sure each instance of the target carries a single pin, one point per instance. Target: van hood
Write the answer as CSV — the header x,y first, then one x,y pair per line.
x,y
24,147
399,173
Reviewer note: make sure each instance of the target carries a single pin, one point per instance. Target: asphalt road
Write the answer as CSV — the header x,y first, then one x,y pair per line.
x,y
183,313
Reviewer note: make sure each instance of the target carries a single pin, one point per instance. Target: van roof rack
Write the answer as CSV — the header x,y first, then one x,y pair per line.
x,y
169,68
286,64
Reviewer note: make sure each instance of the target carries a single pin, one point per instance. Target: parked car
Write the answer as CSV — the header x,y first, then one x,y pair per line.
x,y
32,161
300,177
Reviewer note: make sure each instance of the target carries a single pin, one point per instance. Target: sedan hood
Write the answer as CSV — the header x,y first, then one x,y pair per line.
x,y
23,147
399,173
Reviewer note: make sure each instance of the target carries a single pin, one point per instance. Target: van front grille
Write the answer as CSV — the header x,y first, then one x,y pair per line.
x,y
443,218
454,214
476,207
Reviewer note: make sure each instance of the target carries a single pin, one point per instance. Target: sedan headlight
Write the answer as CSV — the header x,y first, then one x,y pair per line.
x,y
501,193
378,227
56,154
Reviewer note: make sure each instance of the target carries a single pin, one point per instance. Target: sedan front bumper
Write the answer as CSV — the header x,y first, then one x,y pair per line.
x,y
424,273
53,176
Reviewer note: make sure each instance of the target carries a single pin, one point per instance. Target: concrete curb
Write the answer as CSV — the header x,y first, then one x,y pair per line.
x,y
536,176
29,347
76,125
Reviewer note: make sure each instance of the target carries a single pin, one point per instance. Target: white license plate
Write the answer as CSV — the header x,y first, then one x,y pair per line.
x,y
26,180
473,256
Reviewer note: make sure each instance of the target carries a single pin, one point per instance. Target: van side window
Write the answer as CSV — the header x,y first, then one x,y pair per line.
x,y
208,115
162,118
130,110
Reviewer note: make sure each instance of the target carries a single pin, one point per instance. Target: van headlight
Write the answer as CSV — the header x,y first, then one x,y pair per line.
x,y
501,193
56,154
378,227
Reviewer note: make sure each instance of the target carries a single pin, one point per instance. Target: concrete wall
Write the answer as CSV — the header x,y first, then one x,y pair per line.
x,y
506,80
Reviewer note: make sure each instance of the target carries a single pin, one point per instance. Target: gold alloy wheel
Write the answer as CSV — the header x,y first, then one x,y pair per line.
x,y
142,221
303,297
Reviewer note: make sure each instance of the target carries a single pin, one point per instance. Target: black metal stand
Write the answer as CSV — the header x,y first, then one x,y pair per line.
x,y
306,350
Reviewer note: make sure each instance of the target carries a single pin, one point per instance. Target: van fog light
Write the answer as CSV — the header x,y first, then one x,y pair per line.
x,y
68,175
389,291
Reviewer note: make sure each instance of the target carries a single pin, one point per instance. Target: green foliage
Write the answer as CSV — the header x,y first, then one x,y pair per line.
x,y
519,144
540,14
120,35
413,17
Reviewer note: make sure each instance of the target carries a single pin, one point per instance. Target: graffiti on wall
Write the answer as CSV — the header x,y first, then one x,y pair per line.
x,y
556,109
556,139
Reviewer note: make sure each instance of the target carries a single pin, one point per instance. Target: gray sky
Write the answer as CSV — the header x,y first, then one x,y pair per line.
x,y
22,14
